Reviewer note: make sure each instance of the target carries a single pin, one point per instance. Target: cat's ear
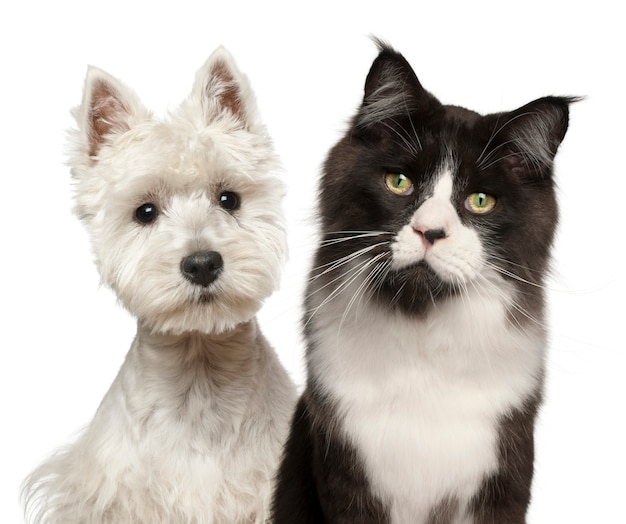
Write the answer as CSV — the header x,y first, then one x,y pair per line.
x,y
391,89
527,139
222,91
109,108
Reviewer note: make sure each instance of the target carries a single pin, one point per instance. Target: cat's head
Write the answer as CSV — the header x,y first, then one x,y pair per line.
x,y
420,201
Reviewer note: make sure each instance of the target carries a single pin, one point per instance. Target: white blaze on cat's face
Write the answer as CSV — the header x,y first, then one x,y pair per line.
x,y
436,235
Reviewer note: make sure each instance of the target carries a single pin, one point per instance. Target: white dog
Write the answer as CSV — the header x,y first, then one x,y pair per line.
x,y
185,220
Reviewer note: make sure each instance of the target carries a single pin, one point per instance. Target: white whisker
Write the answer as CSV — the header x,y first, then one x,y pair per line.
x,y
511,275
346,281
406,140
360,292
514,305
351,235
495,133
331,266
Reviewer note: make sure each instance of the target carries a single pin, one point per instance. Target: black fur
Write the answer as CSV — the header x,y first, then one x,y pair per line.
x,y
402,128
504,497
323,481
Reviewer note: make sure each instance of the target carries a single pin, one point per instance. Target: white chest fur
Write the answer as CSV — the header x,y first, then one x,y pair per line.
x,y
421,398
191,430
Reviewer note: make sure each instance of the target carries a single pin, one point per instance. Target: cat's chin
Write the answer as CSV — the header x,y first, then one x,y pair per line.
x,y
415,289
419,273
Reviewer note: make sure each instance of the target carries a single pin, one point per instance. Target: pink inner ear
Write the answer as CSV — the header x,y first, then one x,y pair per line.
x,y
515,163
103,116
229,95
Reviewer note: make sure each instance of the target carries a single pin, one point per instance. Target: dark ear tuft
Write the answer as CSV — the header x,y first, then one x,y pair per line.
x,y
390,70
528,138
391,88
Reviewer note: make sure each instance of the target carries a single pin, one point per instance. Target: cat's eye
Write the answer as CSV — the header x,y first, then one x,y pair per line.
x,y
229,200
399,184
480,203
146,213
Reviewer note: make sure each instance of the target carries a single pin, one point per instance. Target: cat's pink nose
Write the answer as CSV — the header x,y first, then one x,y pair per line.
x,y
431,235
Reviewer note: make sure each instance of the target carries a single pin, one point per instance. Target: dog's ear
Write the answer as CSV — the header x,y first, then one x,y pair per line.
x,y
109,108
222,90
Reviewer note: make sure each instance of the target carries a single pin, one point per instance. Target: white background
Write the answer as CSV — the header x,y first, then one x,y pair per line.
x,y
63,337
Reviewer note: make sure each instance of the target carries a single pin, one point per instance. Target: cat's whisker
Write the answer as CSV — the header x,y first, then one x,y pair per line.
x,y
485,289
417,138
363,287
355,274
396,297
351,235
480,163
494,134
381,276
331,266
525,269
346,279
511,263
462,284
498,159
406,140
432,293
513,305
487,162
338,278
536,157
512,275
478,289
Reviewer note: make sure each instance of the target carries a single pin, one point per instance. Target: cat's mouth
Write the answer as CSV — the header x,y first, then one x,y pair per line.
x,y
419,270
419,277
416,286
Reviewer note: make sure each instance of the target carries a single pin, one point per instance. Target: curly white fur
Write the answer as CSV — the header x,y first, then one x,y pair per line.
x,y
191,429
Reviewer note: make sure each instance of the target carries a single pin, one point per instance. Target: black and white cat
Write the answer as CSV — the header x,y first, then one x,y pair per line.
x,y
425,321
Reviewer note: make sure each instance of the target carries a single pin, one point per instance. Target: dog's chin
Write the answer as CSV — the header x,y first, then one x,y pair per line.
x,y
204,313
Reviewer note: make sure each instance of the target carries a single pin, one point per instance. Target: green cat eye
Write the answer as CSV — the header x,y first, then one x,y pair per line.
x,y
399,183
480,203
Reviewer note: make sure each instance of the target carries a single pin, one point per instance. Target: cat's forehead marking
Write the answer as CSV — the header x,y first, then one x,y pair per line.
x,y
437,211
443,185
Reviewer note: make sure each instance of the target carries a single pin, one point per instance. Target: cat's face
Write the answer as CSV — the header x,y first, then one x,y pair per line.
x,y
421,201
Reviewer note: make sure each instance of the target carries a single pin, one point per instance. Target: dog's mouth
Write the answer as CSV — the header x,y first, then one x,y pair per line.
x,y
204,297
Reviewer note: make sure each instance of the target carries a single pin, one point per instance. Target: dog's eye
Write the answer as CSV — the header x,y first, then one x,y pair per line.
x,y
229,200
146,213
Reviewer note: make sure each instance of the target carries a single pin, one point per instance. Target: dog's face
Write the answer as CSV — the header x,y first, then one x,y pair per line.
x,y
184,214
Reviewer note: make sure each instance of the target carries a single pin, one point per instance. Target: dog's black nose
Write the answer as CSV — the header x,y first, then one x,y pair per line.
x,y
202,267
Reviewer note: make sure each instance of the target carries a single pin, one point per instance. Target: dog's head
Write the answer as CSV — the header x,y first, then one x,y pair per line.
x,y
184,213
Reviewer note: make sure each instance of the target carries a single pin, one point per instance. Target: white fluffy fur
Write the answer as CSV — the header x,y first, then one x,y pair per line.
x,y
428,391
192,427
